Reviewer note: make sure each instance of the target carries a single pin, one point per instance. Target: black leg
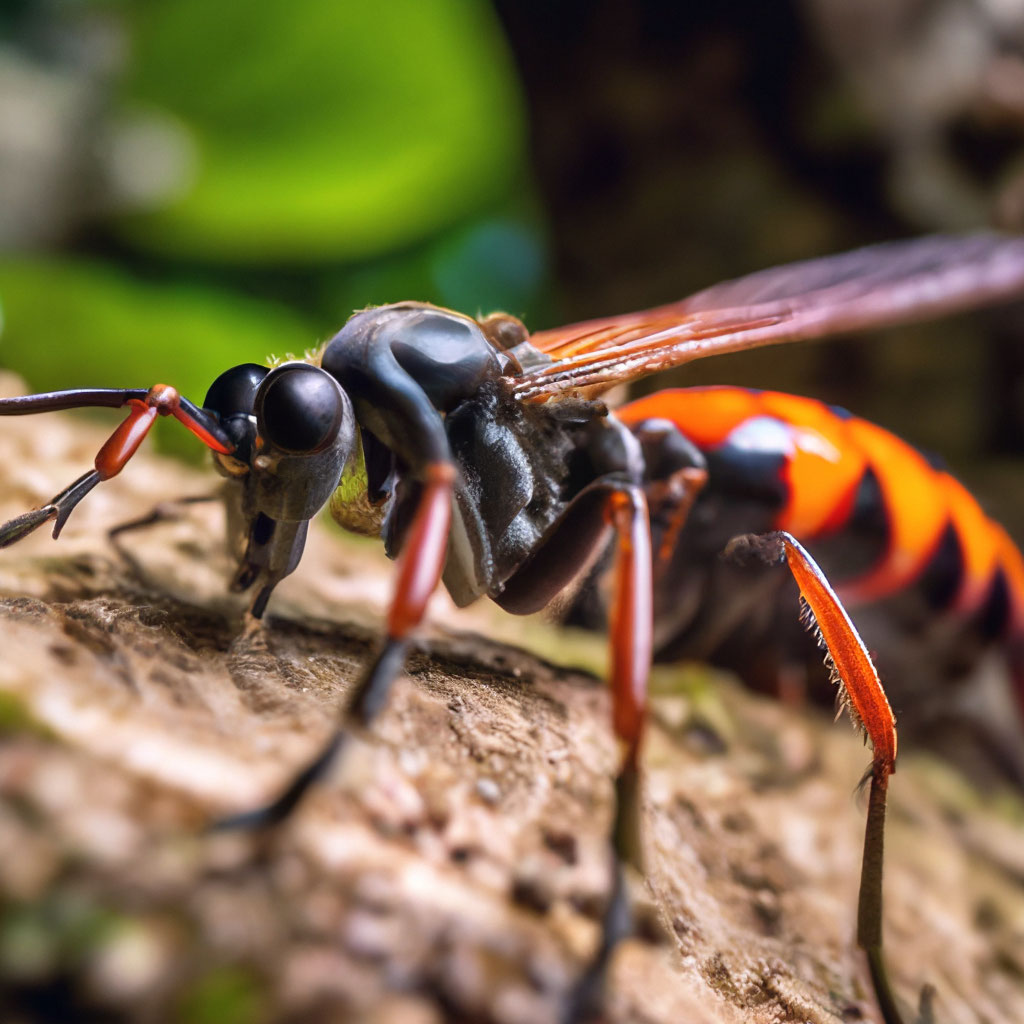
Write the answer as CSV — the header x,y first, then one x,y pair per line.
x,y
419,571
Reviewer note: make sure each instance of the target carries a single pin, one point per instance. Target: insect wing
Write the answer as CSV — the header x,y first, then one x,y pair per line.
x,y
878,286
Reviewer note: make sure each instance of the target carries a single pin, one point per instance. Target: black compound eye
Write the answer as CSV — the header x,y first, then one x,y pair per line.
x,y
233,393
232,397
299,408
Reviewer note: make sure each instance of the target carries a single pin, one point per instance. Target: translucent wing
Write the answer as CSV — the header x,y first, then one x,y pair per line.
x,y
879,286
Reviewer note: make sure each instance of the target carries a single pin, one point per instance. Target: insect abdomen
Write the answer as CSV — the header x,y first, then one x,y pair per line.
x,y
884,517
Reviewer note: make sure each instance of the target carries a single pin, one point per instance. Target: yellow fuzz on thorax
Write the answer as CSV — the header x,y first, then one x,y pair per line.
x,y
350,504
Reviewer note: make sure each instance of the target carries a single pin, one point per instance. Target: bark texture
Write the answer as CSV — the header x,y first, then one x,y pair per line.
x,y
455,868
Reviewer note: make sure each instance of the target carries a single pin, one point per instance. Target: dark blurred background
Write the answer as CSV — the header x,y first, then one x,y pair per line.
x,y
186,185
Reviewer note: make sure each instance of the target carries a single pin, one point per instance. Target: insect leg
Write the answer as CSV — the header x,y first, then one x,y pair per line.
x,y
419,571
631,632
166,400
162,512
630,627
110,460
675,472
144,407
862,695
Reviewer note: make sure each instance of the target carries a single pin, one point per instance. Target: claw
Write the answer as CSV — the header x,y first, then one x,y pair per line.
x,y
21,526
58,508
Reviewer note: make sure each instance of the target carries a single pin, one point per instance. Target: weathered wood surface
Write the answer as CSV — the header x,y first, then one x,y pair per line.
x,y
454,869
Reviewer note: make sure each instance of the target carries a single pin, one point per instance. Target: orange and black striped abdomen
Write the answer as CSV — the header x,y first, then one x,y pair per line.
x,y
883,518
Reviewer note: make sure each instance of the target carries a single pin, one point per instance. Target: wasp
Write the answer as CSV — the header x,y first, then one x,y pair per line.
x,y
485,460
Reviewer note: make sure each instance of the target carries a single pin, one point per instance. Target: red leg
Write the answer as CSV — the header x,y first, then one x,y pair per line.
x,y
630,630
124,442
854,671
419,572
868,706
160,400
865,700
421,561
631,634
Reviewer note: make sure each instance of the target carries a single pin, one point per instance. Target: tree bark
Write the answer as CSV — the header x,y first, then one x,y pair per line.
x,y
455,867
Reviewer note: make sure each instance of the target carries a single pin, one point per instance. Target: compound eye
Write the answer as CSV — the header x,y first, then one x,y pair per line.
x,y
233,393
299,408
232,396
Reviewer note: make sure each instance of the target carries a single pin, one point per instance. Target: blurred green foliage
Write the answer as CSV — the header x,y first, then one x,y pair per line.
x,y
66,310
325,130
272,166
488,264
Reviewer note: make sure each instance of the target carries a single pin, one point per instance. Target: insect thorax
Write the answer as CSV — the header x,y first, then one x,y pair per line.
x,y
520,465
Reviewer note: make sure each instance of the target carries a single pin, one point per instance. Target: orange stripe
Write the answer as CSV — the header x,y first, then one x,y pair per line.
x,y
979,544
916,505
823,470
828,458
705,415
